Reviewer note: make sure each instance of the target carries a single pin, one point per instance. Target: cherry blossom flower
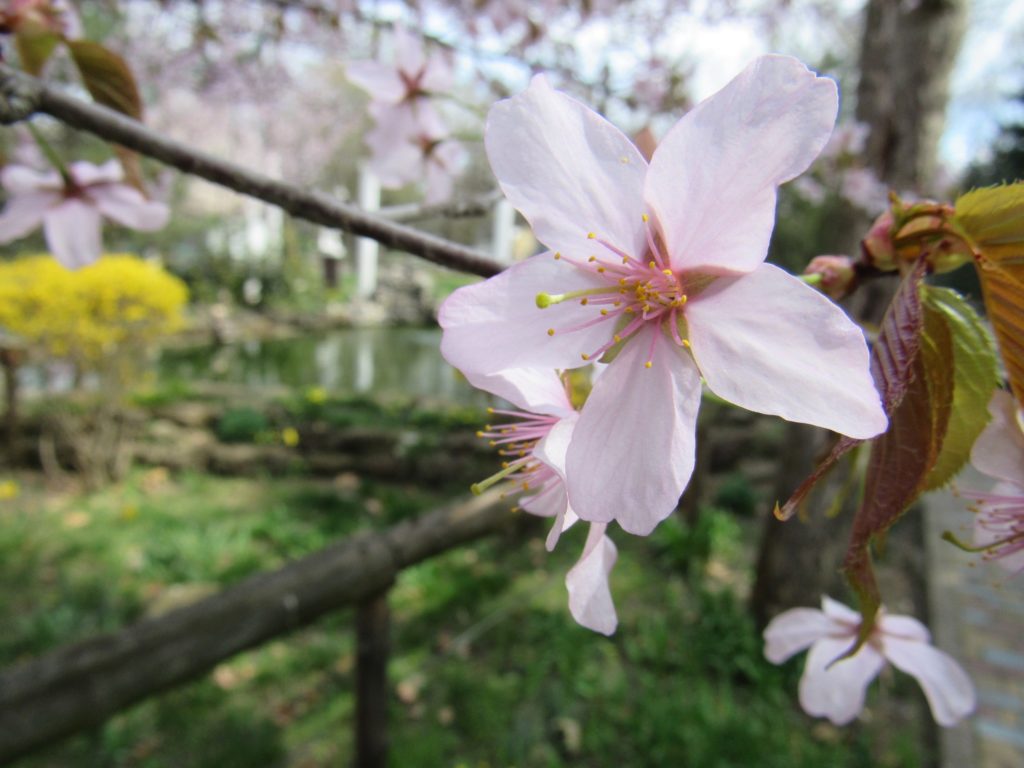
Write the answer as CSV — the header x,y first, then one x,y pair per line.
x,y
429,155
660,270
401,93
999,453
834,687
533,443
71,211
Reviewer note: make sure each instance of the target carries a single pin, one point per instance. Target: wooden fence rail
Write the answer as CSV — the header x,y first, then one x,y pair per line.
x,y
81,685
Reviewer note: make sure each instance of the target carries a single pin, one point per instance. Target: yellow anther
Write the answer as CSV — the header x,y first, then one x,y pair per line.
x,y
551,331
616,303
514,509
490,410
667,272
526,486
682,299
544,300
585,356
591,236
504,465
622,281
625,260
600,269
645,217
647,307
652,265
617,338
584,302
592,259
686,343
630,310
479,433
604,311
648,364
557,255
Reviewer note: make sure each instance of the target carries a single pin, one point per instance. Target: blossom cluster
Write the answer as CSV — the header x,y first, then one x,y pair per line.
x,y
410,140
655,273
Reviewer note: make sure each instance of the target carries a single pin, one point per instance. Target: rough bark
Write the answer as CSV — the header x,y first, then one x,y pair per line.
x,y
907,55
81,685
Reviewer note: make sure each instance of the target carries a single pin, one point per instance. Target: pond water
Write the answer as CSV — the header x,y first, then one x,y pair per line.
x,y
387,361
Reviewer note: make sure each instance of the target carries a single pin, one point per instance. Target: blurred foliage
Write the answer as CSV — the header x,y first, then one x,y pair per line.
x,y
241,425
487,668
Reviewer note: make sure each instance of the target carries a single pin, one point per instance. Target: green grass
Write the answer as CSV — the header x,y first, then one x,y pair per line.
x,y
488,666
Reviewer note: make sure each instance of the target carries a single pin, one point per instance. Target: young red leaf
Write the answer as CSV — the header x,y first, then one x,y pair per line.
x,y
107,77
902,458
892,356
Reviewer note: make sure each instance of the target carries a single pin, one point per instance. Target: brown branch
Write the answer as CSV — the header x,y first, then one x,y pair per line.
x,y
81,685
22,95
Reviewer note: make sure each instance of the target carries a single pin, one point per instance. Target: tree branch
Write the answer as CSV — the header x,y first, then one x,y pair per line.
x,y
81,685
452,209
22,95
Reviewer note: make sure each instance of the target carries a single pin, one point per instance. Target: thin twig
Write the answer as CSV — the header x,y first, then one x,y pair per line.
x,y
22,95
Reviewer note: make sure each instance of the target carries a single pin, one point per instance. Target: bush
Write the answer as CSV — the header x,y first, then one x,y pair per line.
x,y
241,425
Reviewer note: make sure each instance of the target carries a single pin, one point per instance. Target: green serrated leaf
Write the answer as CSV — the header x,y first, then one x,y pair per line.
x,y
107,77
975,377
993,216
35,48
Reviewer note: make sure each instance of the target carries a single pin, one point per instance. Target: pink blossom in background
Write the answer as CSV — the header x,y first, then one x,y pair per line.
x,y
41,16
430,156
835,687
71,216
401,92
662,267
999,453
533,442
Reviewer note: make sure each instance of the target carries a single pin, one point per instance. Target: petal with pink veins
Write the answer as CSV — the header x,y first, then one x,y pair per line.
x,y
947,687
127,206
590,598
495,325
769,343
713,178
24,212
793,631
72,231
568,171
632,451
837,691
999,449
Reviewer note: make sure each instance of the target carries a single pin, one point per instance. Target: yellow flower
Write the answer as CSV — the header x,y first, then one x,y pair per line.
x,y
8,489
316,395
290,436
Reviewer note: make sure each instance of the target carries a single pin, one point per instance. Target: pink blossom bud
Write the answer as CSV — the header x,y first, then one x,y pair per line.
x,y
877,245
837,274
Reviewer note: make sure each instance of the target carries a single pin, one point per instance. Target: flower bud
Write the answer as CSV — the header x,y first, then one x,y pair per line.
x,y
837,275
877,246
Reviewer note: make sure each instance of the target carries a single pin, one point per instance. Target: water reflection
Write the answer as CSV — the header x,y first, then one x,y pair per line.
x,y
390,361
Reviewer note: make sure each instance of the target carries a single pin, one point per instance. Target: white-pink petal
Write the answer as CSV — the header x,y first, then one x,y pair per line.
x,y
632,451
382,82
24,212
72,231
837,690
999,449
567,170
21,180
770,343
793,631
127,206
947,687
590,598
495,325
713,178
536,390
86,174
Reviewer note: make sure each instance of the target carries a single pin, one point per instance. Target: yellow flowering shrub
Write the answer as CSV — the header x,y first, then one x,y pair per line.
x,y
93,315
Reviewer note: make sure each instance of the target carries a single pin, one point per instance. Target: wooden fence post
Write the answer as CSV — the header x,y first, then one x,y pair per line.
x,y
373,647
